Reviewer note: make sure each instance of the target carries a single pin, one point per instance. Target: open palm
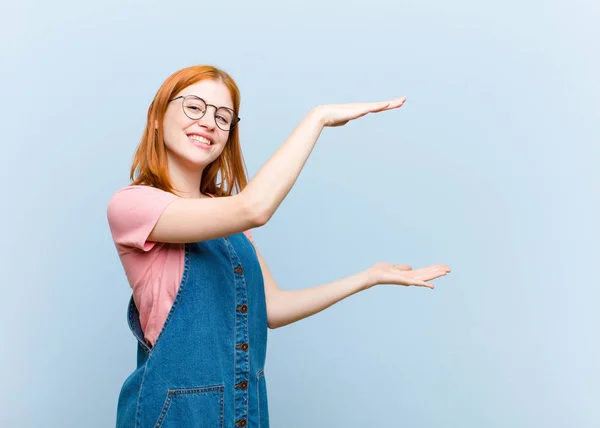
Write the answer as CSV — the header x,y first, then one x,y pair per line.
x,y
340,114
388,273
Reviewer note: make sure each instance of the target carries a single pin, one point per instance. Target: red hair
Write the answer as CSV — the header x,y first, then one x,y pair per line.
x,y
150,161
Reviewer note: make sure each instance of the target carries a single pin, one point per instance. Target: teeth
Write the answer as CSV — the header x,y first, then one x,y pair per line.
x,y
200,139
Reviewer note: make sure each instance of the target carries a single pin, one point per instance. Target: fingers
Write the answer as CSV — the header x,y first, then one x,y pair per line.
x,y
340,114
423,284
441,267
403,274
432,274
435,269
423,276
386,105
395,103
427,273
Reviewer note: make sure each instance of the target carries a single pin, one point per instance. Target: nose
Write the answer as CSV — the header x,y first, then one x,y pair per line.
x,y
208,120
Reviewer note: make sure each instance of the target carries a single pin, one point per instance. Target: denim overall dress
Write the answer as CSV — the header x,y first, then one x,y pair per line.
x,y
206,368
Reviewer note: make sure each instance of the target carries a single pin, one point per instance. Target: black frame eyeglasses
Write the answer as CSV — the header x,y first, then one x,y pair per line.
x,y
192,102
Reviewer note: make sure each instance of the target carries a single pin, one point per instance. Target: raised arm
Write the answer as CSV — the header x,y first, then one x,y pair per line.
x,y
192,220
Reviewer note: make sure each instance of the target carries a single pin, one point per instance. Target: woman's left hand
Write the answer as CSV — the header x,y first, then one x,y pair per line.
x,y
388,273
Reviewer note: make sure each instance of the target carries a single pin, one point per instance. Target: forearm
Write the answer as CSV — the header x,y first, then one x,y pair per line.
x,y
288,306
275,179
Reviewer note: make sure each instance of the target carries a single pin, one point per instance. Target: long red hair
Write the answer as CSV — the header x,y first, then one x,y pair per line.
x,y
150,161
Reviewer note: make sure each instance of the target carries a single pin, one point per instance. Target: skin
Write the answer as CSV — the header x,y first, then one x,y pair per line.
x,y
255,205
185,160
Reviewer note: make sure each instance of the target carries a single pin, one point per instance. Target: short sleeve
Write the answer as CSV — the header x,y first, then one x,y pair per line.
x,y
248,234
133,212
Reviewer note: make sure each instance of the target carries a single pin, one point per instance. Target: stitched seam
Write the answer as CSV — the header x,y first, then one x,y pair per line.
x,y
178,297
227,244
130,322
165,409
151,351
138,410
172,393
222,395
258,376
246,321
245,291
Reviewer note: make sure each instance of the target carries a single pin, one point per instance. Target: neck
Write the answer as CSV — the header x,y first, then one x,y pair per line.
x,y
185,180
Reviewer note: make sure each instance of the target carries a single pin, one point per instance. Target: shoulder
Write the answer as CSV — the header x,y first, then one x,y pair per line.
x,y
137,191
133,211
130,197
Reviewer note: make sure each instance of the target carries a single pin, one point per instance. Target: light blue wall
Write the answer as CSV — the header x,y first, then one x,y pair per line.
x,y
490,168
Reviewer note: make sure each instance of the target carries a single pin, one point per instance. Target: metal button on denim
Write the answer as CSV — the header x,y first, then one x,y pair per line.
x,y
242,385
239,270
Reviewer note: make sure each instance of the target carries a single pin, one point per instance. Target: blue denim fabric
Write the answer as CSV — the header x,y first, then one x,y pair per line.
x,y
206,368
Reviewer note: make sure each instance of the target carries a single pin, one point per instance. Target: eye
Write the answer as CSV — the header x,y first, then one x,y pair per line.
x,y
223,120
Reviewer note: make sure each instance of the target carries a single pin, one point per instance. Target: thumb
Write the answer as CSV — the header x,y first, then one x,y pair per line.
x,y
402,267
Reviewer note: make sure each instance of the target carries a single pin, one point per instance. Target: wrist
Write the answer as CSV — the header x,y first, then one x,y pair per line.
x,y
316,115
369,278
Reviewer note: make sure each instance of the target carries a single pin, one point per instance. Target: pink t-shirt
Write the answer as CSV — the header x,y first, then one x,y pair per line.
x,y
153,269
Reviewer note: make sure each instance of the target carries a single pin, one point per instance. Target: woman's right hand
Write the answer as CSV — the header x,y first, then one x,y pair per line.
x,y
341,114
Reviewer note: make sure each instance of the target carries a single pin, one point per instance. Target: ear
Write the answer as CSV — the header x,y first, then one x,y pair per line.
x,y
156,124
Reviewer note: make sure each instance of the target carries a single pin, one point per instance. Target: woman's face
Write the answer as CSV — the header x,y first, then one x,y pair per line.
x,y
196,143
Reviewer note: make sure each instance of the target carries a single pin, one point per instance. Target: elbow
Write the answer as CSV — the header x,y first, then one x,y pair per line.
x,y
260,218
273,325
255,211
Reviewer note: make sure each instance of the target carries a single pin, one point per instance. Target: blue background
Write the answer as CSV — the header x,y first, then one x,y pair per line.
x,y
490,167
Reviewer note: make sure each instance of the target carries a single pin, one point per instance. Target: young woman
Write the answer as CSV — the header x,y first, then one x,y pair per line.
x,y
203,296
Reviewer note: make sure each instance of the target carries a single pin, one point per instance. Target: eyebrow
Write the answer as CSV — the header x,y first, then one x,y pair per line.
x,y
207,103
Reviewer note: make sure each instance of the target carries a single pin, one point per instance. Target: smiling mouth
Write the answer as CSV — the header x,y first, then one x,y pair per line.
x,y
199,139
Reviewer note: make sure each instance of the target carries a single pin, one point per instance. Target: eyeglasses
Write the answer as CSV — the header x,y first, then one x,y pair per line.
x,y
195,107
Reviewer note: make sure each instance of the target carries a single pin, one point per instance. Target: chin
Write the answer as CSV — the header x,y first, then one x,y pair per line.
x,y
202,159
195,158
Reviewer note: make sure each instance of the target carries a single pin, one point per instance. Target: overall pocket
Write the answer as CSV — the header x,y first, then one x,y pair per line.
x,y
263,402
192,407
